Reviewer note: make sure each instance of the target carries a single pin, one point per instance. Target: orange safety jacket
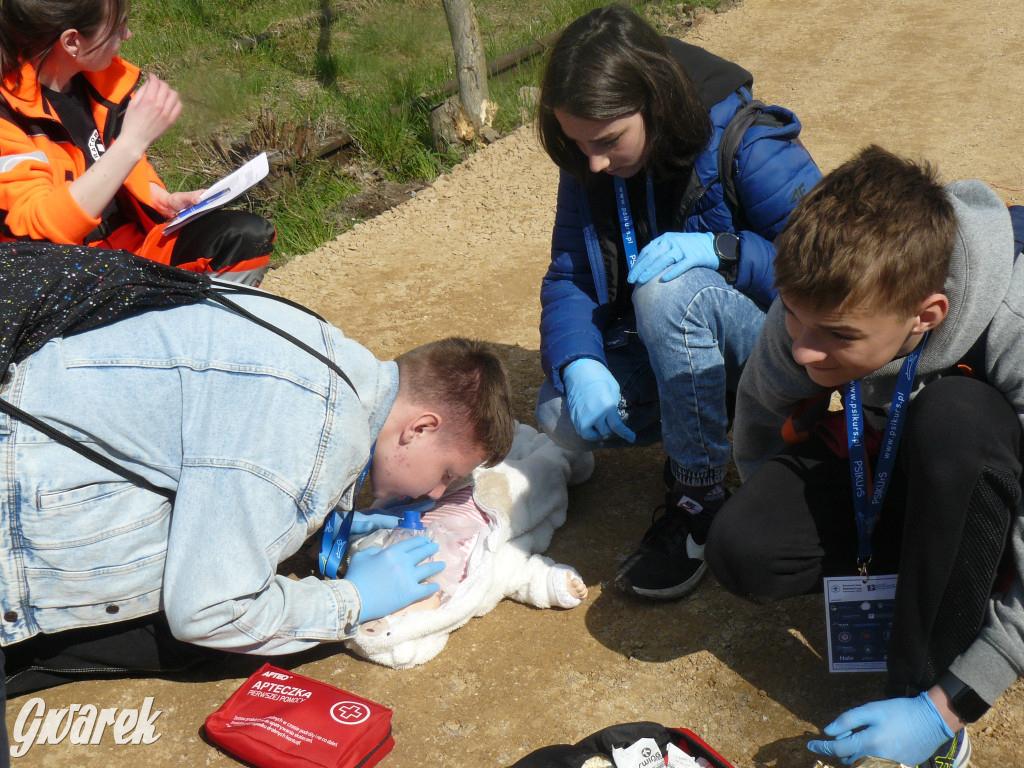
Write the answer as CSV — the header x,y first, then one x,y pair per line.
x,y
39,160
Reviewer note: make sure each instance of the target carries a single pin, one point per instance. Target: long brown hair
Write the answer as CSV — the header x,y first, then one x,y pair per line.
x,y
611,63
30,28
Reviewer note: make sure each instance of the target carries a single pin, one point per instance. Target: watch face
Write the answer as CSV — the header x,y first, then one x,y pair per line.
x,y
727,247
969,705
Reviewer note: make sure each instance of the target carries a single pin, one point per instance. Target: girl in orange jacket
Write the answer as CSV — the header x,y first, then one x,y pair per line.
x,y
74,132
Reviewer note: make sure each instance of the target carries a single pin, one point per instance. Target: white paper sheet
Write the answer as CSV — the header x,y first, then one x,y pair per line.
x,y
224,191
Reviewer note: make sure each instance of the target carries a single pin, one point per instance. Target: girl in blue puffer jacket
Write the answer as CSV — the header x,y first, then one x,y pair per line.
x,y
659,280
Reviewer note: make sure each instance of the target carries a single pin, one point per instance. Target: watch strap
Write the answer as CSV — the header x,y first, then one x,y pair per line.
x,y
963,699
727,248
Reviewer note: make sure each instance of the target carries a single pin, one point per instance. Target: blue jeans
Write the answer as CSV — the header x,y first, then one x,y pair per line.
x,y
674,360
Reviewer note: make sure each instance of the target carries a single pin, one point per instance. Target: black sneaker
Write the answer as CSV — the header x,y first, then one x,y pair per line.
x,y
670,560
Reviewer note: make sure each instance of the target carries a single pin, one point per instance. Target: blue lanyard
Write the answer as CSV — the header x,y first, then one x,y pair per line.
x,y
626,217
867,502
337,529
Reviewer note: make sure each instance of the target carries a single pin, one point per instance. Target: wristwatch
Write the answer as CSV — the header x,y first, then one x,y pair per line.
x,y
962,698
727,248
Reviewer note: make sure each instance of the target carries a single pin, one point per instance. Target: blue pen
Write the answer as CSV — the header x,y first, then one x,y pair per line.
x,y
201,203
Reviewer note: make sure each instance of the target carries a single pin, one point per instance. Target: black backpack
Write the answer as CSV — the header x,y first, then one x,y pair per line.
x,y
603,742
1017,222
49,290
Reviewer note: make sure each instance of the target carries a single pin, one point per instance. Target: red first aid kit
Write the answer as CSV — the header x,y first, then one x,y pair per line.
x,y
278,719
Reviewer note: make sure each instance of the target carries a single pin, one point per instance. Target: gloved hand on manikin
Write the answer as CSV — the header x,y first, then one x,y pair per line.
x,y
905,730
391,578
387,515
367,522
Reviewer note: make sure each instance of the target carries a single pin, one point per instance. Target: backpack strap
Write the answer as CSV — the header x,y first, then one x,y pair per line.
x,y
217,294
93,455
730,144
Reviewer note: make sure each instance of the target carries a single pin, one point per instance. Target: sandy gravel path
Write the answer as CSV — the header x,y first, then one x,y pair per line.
x,y
940,80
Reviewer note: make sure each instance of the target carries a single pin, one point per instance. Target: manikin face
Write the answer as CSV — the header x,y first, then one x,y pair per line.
x,y
616,147
840,346
420,461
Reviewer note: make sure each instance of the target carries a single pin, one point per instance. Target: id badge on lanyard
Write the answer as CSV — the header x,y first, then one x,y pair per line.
x,y
858,617
859,609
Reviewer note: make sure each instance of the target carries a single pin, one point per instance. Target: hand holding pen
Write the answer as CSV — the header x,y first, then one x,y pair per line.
x,y
203,202
181,204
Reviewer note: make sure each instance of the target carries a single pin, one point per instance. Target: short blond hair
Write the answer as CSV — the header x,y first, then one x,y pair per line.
x,y
876,232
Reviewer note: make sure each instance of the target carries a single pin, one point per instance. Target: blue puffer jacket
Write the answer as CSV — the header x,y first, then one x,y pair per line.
x,y
772,173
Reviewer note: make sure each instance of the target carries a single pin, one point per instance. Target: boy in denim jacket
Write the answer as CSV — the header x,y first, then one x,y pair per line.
x,y
260,442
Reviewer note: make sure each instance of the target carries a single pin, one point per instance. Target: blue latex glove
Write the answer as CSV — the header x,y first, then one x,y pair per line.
x,y
390,514
407,503
678,251
592,394
368,522
389,579
908,731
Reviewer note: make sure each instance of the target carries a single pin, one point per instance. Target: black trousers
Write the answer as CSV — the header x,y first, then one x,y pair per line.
x,y
225,238
236,245
943,525
140,647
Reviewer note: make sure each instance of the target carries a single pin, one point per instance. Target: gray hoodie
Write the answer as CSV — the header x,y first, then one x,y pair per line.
x,y
986,290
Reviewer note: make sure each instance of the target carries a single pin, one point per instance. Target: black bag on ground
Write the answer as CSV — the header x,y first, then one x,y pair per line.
x,y
601,744
1017,221
49,290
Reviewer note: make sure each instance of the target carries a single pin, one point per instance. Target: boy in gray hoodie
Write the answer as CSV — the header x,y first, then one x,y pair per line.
x,y
904,297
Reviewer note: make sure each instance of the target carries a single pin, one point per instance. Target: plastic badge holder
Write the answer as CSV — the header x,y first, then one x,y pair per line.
x,y
278,719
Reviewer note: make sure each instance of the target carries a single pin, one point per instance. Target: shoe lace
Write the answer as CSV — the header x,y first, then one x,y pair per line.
x,y
669,531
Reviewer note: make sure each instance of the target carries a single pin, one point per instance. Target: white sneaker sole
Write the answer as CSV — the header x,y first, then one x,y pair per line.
x,y
694,551
678,590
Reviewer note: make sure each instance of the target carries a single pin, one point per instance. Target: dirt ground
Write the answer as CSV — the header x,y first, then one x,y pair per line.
x,y
940,80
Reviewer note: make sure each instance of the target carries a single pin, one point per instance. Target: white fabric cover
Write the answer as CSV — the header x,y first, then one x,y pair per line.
x,y
525,498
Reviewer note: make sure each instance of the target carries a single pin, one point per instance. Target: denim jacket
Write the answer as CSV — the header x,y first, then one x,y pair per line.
x,y
258,439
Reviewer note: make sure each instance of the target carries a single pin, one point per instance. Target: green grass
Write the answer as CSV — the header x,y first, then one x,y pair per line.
x,y
370,69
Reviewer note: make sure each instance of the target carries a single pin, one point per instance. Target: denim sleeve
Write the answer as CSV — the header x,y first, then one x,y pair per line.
x,y
231,528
